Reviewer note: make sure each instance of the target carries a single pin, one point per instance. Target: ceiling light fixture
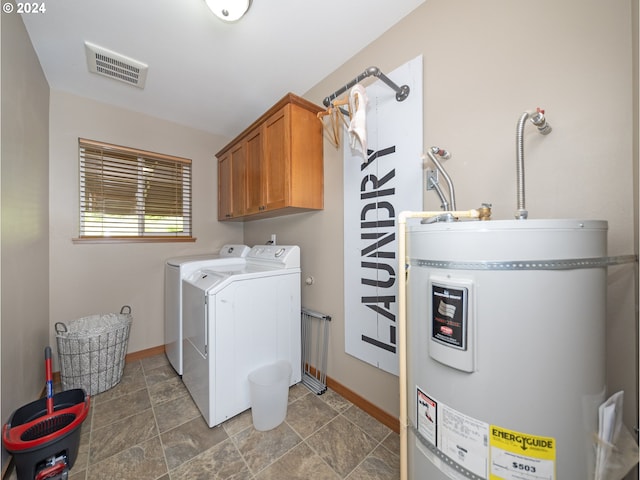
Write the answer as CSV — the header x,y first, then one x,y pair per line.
x,y
229,10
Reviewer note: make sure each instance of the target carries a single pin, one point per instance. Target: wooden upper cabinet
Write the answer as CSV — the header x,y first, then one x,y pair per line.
x,y
232,183
283,163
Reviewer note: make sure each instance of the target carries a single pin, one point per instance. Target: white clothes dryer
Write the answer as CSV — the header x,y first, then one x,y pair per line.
x,y
237,318
175,270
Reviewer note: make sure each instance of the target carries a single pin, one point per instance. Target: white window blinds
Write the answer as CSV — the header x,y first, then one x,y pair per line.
x,y
127,193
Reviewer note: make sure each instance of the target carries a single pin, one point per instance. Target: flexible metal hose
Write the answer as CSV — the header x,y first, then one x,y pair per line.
x,y
432,152
443,199
521,213
544,128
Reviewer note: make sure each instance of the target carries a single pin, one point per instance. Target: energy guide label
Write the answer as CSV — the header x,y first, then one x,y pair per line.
x,y
518,456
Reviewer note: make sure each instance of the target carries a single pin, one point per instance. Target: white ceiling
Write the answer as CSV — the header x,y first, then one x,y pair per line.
x,y
205,73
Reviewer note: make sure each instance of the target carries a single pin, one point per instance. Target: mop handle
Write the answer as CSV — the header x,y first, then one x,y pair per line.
x,y
49,375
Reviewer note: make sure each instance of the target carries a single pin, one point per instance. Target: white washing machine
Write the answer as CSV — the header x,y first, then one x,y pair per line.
x,y
238,317
175,270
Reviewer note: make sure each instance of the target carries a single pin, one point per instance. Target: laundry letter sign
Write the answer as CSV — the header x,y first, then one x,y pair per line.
x,y
377,186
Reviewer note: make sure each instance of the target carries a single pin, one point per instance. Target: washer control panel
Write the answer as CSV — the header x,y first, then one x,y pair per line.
x,y
287,256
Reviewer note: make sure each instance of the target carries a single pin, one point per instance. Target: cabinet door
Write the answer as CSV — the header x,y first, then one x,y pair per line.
x,y
225,191
277,161
254,194
238,179
232,183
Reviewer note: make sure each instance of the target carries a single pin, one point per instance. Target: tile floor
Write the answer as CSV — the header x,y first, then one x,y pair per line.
x,y
147,427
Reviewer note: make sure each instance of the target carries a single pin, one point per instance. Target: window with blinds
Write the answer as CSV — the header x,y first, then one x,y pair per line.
x,y
128,193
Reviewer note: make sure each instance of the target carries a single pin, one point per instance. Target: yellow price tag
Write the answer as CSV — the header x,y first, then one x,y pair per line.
x,y
520,456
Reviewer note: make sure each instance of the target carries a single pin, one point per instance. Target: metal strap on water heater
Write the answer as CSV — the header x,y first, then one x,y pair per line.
x,y
459,469
564,264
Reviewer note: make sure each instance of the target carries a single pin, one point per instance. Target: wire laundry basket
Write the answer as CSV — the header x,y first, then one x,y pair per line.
x,y
92,350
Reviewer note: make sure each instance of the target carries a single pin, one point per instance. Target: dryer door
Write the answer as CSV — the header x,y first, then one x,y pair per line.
x,y
194,319
195,313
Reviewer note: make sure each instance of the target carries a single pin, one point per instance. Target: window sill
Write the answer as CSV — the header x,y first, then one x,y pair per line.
x,y
81,240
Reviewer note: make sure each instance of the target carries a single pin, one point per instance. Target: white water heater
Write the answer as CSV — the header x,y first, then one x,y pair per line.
x,y
505,348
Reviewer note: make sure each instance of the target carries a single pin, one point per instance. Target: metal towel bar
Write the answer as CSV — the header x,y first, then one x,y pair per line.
x,y
401,92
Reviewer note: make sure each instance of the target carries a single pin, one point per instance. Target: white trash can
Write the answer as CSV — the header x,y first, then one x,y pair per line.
x,y
269,392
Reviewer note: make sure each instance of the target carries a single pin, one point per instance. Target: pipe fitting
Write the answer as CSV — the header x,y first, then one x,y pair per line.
x,y
432,152
484,212
539,120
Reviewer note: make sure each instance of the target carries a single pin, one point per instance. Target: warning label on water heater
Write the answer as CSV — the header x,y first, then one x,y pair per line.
x,y
427,414
519,456
449,315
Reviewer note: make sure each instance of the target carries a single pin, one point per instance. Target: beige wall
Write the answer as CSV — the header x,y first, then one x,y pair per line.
x,y
636,156
25,230
485,63
98,278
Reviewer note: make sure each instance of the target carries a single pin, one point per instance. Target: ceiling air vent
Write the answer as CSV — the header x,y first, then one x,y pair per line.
x,y
113,65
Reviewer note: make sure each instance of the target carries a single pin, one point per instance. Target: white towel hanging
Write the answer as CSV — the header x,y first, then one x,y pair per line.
x,y
358,125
